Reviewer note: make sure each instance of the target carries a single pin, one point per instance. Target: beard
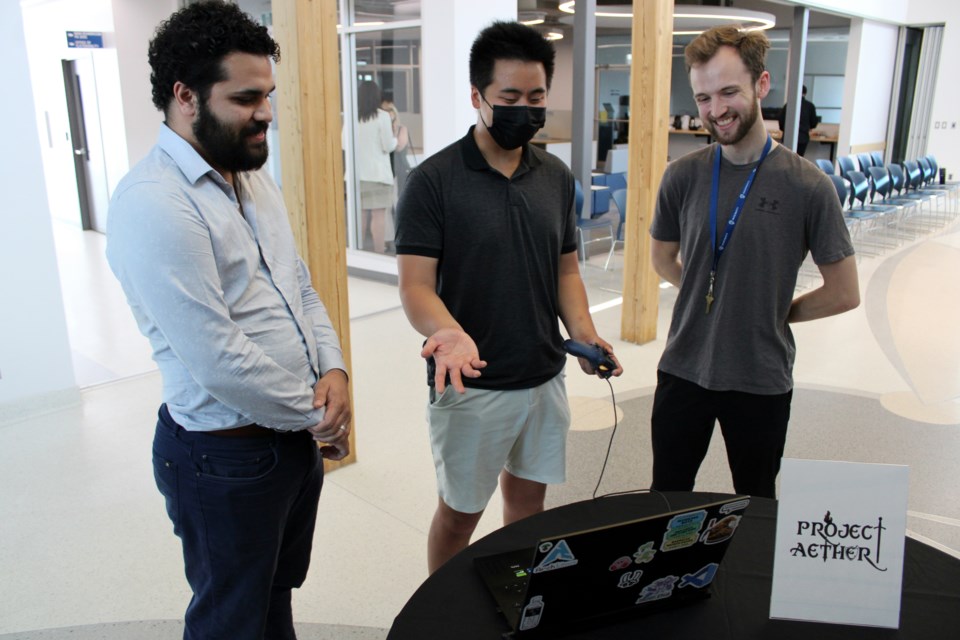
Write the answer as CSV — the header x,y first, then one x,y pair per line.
x,y
226,147
744,124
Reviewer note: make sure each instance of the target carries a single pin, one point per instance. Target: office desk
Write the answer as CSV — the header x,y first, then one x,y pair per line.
x,y
454,603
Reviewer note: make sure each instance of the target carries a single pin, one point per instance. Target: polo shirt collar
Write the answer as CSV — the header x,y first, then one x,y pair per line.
x,y
475,160
185,156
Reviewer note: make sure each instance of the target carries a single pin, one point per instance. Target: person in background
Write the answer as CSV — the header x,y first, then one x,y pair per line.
x,y
732,226
487,264
808,120
399,163
253,373
376,138
398,157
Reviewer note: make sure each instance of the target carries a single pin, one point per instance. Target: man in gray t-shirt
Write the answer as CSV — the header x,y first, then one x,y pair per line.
x,y
733,225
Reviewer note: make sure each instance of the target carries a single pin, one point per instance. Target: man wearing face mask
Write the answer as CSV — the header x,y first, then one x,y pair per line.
x,y
487,262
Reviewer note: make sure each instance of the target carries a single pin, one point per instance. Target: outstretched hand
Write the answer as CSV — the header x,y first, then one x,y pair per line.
x,y
456,355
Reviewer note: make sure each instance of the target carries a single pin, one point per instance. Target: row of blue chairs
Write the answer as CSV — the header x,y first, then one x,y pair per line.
x,y
891,198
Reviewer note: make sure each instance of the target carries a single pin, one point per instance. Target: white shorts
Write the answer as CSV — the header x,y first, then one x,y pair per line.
x,y
477,434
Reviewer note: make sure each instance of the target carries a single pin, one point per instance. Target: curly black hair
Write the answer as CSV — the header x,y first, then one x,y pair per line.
x,y
508,41
191,44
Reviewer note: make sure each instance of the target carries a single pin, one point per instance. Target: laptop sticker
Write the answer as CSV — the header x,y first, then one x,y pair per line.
x,y
621,563
630,579
701,578
532,613
658,589
683,530
559,557
645,553
739,505
720,530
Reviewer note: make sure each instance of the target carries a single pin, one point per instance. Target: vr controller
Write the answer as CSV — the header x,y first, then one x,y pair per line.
x,y
594,354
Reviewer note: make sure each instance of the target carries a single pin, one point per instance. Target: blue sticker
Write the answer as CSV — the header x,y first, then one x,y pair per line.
x,y
701,578
658,589
558,558
683,530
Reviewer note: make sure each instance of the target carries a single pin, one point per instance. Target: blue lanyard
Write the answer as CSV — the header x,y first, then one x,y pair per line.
x,y
732,222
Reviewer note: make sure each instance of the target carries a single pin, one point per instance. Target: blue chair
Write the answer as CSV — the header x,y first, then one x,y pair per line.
x,y
846,165
865,162
825,165
589,225
877,158
841,186
616,181
853,223
620,200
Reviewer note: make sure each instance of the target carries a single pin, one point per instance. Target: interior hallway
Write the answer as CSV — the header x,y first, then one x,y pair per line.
x,y
86,540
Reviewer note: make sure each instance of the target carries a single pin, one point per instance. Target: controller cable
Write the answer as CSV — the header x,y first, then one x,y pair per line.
x,y
606,458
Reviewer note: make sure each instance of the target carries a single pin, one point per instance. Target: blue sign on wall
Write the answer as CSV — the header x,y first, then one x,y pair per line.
x,y
85,39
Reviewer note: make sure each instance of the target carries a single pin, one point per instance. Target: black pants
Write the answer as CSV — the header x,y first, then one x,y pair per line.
x,y
754,430
244,509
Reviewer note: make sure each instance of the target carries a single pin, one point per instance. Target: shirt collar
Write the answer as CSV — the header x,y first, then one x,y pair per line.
x,y
475,160
185,156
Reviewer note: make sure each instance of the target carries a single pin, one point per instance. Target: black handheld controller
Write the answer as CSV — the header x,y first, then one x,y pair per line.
x,y
594,354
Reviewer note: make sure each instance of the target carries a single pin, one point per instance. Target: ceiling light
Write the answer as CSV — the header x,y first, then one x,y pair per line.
x,y
687,19
530,23
554,35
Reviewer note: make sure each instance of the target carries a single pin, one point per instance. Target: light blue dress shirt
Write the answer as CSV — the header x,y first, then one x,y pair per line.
x,y
215,283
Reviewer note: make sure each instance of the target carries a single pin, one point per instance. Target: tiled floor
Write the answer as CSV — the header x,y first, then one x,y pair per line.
x,y
85,539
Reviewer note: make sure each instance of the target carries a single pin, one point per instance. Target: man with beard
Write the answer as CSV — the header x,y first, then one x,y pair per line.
x,y
252,369
733,224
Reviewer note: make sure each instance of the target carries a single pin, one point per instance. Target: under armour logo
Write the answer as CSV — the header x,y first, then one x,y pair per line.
x,y
770,205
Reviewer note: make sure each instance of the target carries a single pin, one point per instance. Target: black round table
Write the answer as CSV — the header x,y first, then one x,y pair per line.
x,y
454,603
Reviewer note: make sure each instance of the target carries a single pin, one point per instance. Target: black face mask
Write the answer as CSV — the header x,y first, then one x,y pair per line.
x,y
514,126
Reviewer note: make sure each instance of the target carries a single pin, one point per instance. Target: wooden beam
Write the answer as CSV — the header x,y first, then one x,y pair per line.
x,y
308,111
650,71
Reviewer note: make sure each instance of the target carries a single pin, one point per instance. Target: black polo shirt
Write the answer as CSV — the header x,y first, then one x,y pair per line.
x,y
498,241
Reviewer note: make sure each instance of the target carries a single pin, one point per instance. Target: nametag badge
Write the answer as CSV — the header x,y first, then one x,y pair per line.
x,y
840,541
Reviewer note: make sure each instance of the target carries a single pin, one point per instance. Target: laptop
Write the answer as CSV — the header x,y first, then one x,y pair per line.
x,y
585,578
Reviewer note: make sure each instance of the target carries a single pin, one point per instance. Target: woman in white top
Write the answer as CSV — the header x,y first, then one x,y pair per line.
x,y
376,138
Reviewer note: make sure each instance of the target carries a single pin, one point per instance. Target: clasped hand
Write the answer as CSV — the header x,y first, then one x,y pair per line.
x,y
332,393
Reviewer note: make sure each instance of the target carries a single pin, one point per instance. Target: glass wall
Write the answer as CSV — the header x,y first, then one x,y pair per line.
x,y
382,117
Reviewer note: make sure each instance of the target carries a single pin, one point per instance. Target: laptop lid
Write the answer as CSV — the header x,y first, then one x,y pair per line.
x,y
635,567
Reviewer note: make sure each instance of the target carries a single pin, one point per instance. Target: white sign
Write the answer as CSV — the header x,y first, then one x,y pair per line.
x,y
839,550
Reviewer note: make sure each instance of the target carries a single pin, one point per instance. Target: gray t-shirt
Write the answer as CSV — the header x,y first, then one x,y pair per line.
x,y
744,343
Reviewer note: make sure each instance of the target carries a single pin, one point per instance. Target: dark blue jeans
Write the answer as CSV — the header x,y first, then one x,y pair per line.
x,y
244,509
754,431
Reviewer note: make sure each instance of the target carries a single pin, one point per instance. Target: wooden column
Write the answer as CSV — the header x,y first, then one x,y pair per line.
x,y
650,70
308,111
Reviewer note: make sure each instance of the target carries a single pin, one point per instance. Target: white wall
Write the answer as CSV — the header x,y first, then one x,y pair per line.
x,y
35,366
871,57
449,28
137,21
944,143
45,25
